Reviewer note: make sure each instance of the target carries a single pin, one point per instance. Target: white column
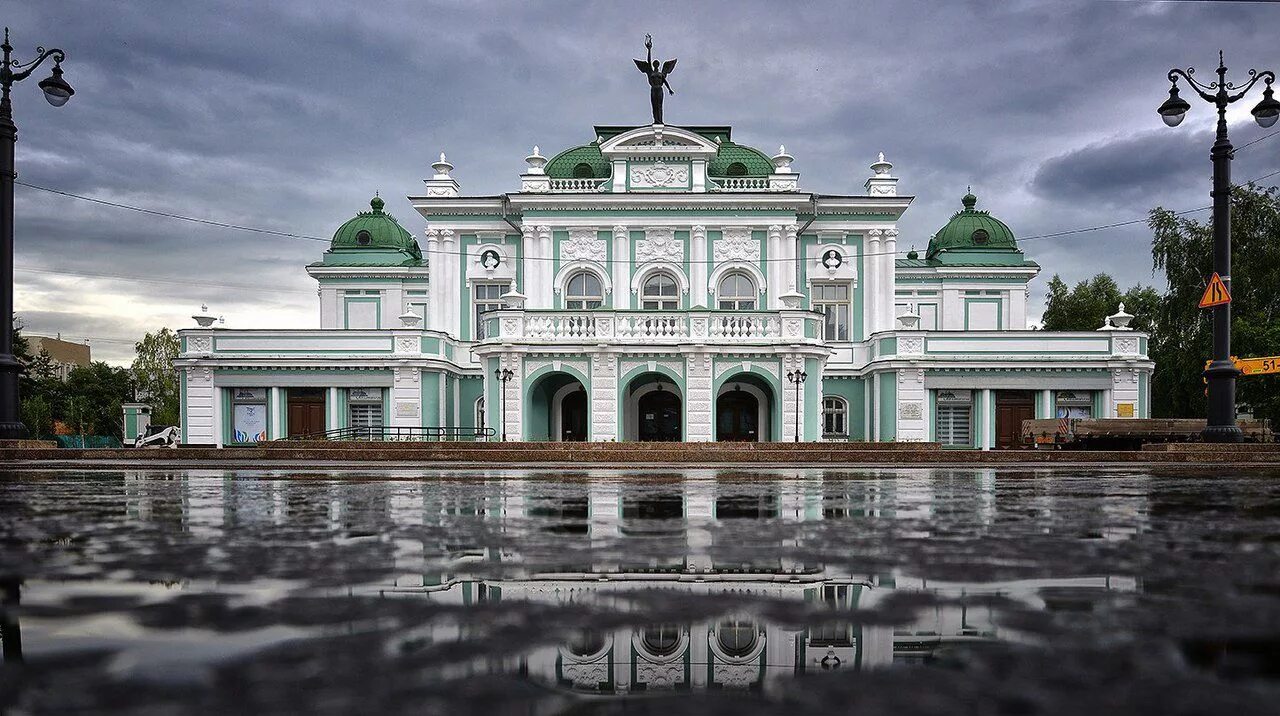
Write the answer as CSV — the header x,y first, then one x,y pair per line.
x,y
545,289
277,420
450,306
621,268
988,407
777,268
888,275
1046,405
435,285
792,240
698,267
873,288
532,267
331,407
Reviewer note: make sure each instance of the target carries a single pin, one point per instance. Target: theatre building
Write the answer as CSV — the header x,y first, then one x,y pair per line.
x,y
664,283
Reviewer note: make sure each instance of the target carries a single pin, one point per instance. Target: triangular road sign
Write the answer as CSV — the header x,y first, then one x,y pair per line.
x,y
1215,294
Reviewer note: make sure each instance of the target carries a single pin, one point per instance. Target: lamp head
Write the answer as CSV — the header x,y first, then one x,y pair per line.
x,y
1268,110
56,89
1175,108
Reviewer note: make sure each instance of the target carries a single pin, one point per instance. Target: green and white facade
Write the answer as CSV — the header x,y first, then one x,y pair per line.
x,y
661,283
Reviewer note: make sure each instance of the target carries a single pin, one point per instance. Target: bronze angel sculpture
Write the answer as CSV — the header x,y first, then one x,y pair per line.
x,y
657,77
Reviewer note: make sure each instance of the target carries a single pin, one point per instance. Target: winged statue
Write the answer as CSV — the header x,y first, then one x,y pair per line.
x,y
657,74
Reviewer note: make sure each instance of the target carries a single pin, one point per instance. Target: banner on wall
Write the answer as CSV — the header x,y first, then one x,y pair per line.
x,y
249,423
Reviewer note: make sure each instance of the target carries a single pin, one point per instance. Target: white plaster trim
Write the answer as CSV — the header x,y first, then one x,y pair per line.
x,y
644,271
569,269
713,282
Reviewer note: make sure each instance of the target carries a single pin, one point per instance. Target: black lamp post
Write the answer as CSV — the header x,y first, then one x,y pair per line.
x,y
57,91
797,378
1221,373
504,375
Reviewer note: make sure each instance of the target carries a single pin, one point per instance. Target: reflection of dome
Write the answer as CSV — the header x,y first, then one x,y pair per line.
x,y
661,639
586,642
737,637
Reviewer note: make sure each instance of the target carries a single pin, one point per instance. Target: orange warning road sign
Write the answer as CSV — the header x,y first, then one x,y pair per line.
x,y
1215,294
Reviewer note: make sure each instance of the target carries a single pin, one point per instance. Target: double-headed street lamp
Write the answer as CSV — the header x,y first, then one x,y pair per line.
x,y
1221,373
504,375
57,91
797,378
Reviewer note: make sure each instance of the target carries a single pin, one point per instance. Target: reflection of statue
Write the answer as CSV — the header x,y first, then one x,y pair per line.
x,y
657,77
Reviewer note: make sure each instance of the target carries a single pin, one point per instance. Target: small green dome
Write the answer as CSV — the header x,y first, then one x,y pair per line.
x,y
972,230
576,162
752,162
374,231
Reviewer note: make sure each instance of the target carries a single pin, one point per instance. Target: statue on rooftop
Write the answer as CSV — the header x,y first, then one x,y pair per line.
x,y
657,77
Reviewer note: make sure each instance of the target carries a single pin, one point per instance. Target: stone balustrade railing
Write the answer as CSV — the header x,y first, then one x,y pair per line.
x,y
742,184
625,326
576,186
1009,345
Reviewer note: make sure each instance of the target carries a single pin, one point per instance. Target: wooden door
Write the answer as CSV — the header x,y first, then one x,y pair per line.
x,y
737,415
306,413
1012,407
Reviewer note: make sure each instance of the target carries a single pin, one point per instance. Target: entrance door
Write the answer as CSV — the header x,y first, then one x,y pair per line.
x,y
573,417
306,411
1012,407
659,417
737,417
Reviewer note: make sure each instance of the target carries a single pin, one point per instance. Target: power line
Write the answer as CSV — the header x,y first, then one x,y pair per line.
x,y
284,234
86,274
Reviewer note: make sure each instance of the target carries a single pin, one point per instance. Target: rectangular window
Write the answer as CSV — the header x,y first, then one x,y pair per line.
x,y
487,297
832,301
953,420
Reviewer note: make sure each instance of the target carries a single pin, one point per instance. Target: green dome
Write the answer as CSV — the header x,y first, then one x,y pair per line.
x,y
753,161
565,164
373,233
972,230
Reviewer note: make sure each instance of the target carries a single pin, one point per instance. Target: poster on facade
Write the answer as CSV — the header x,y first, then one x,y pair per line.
x,y
1124,410
249,423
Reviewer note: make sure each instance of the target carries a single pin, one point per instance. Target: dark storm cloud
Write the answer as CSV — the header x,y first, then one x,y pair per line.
x,y
289,115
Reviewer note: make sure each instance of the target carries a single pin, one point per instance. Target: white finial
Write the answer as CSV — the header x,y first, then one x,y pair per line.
x,y
782,161
442,167
203,319
782,149
881,157
881,168
536,161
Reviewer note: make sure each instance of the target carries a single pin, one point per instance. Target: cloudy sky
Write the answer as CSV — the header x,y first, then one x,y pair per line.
x,y
289,115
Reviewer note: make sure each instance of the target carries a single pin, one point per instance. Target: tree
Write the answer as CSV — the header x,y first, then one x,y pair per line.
x,y
94,394
1085,307
1183,248
37,416
154,374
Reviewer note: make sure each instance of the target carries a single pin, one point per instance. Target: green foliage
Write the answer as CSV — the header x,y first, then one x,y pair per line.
x,y
88,401
37,415
156,377
1085,307
1183,248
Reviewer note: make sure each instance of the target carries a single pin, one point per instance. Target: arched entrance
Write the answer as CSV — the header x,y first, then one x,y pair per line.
x,y
744,405
653,409
557,408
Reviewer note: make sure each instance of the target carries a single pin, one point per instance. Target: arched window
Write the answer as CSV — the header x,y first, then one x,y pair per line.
x,y
660,293
479,423
661,639
583,292
737,169
737,637
582,170
737,293
835,417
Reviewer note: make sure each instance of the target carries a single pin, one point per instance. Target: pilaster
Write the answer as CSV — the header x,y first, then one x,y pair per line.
x,y
700,403
621,268
698,267
604,397
873,288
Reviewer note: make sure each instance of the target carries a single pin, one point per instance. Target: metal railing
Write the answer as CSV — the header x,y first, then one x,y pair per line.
x,y
388,433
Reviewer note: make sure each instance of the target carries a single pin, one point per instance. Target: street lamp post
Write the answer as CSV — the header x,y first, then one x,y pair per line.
x,y
797,378
57,91
1221,374
504,375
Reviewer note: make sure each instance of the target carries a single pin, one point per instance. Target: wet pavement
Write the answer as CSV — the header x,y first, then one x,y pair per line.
x,y
906,591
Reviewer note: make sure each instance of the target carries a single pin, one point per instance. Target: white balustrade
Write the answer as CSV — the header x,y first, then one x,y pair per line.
x,y
652,325
745,325
742,184
576,186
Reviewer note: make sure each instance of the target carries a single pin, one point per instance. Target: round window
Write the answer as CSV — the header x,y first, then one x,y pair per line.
x,y
980,237
363,237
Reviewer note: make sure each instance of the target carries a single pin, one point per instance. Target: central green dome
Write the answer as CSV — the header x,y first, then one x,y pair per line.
x,y
972,230
373,238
